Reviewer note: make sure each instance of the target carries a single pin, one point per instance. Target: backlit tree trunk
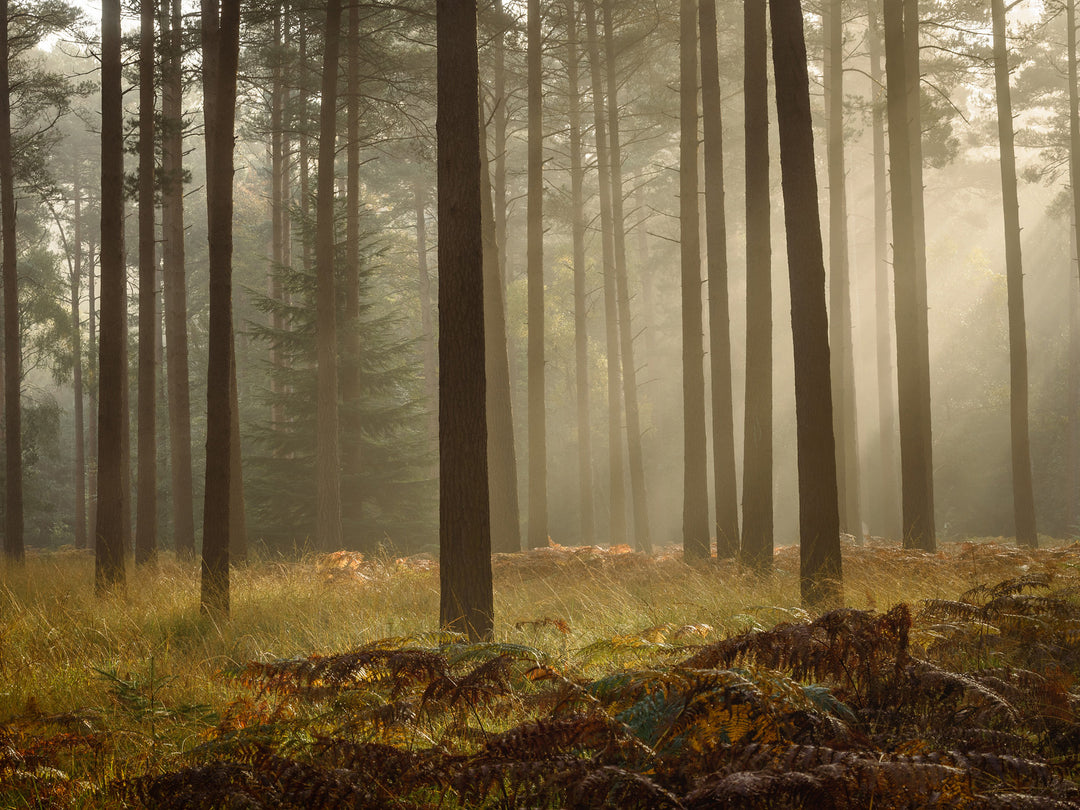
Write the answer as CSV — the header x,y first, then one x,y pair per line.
x,y
1023,488
76,366
820,571
1073,451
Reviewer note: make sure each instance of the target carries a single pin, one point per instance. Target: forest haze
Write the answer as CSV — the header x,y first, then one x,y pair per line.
x,y
253,367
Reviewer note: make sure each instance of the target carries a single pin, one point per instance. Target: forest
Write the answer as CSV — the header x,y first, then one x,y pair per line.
x,y
540,403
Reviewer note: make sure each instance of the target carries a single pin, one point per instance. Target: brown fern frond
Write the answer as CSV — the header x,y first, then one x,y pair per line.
x,y
1021,801
218,784
926,684
391,767
555,737
753,789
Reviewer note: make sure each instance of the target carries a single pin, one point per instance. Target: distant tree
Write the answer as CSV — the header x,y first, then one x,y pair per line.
x,y
723,420
696,538
757,538
466,602
146,518
820,572
350,371
1023,488
220,48
13,494
538,531
109,532
327,452
78,389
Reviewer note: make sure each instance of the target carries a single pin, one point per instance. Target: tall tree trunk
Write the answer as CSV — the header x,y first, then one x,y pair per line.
x,y
176,338
642,539
845,418
757,540
1023,488
109,531
76,368
220,46
723,418
466,603
918,520
617,526
501,119
581,333
1073,451
1072,433
696,541
277,215
538,530
820,571
502,456
304,144
887,489
327,452
92,394
914,92
146,520
427,325
13,493
237,513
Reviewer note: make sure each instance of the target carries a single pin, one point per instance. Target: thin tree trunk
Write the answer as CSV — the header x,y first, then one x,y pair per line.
x,y
92,395
757,540
328,535
277,214
538,529
502,456
642,538
888,487
820,571
1023,488
237,513
1073,451
581,334
76,369
176,338
146,519
13,494
723,418
696,541
109,571
918,520
466,602
220,41
500,119
617,527
845,419
427,325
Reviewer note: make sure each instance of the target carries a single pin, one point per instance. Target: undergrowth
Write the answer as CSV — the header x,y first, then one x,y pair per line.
x,y
682,687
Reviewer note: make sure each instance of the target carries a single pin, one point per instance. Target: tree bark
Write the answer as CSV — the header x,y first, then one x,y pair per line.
x,y
887,489
538,529
723,419
757,540
278,204
13,493
617,494
109,571
918,526
76,367
696,540
146,518
845,416
220,45
1023,488
328,535
1073,451
466,602
642,538
820,570
581,334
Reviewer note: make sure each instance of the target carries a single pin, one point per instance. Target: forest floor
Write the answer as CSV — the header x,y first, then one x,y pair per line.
x,y
614,678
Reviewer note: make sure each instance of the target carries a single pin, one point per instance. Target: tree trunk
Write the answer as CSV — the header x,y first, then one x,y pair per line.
x,y
466,603
109,531
237,513
502,456
501,120
1073,451
1023,488
146,519
845,418
176,338
427,326
327,452
723,419
696,540
617,525
538,530
92,396
887,489
918,529
277,215
581,333
642,539
757,540
13,494
220,46
76,369
820,571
